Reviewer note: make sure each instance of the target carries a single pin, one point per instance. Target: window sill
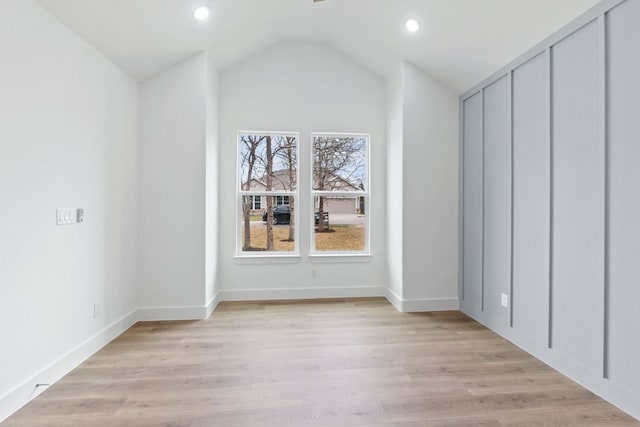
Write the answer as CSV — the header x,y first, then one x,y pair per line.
x,y
339,258
267,259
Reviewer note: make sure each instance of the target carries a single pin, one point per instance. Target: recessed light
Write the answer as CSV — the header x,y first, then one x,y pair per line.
x,y
201,13
412,25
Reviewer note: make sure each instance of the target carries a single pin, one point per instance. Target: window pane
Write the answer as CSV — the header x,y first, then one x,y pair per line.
x,y
343,224
340,163
258,234
282,200
257,202
268,162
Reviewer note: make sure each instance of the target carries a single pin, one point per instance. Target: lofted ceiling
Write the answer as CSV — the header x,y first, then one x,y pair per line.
x,y
460,42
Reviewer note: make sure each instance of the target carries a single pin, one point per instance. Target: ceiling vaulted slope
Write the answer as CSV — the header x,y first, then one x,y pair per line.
x,y
460,42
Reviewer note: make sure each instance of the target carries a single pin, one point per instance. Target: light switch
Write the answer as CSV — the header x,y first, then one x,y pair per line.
x,y
65,216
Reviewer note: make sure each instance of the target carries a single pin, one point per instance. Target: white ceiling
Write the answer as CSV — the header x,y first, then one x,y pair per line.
x,y
461,41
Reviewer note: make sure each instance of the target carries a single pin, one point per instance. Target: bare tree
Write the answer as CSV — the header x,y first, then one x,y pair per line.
x,y
261,155
248,162
337,161
286,150
269,185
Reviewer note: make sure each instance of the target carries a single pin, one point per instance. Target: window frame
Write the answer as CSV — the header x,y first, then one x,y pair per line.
x,y
241,193
366,252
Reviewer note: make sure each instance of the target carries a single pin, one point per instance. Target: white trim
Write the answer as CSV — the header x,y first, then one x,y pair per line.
x,y
301,293
240,193
339,193
20,395
394,299
421,304
267,258
339,257
212,304
356,194
147,314
430,304
273,193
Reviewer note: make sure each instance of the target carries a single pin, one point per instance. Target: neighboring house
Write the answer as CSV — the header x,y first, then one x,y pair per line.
x,y
280,182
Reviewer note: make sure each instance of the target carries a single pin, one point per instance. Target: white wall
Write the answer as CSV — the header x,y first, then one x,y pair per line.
x,y
211,214
430,164
422,183
68,138
301,88
394,225
173,191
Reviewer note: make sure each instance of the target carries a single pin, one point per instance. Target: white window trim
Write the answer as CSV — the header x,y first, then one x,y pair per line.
x,y
285,257
345,256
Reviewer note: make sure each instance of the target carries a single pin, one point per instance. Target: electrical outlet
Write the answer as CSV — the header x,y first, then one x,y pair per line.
x,y
314,273
505,300
97,310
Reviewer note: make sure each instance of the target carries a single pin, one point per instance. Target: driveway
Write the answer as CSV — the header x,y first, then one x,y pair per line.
x,y
346,219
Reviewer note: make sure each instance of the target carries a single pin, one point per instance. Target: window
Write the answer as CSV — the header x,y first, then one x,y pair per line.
x,y
340,193
268,164
282,200
256,202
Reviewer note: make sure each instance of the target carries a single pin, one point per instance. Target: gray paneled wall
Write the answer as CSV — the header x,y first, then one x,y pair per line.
x,y
531,198
497,198
578,200
472,199
623,91
551,201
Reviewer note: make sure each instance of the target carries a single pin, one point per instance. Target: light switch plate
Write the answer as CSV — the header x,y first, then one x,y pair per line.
x,y
505,300
66,216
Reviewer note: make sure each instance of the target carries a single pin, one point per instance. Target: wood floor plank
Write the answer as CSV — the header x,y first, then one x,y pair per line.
x,y
316,363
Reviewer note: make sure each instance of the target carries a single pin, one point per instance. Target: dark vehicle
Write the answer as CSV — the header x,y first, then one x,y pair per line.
x,y
282,215
326,218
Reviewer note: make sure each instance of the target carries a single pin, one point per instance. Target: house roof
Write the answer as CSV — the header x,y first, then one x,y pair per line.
x,y
281,182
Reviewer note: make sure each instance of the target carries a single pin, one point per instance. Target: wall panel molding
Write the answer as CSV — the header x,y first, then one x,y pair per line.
x,y
573,105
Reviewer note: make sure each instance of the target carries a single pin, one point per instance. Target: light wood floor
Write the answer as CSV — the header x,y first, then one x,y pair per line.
x,y
316,363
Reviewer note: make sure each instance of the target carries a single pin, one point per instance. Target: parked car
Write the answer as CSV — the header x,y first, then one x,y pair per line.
x,y
282,215
326,218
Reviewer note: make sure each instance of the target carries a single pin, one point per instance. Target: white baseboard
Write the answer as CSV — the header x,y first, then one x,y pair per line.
x,y
422,304
300,293
212,304
393,298
25,392
149,314
430,304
